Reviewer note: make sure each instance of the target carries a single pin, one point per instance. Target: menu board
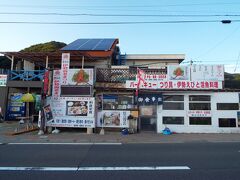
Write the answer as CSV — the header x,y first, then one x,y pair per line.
x,y
73,112
115,119
77,108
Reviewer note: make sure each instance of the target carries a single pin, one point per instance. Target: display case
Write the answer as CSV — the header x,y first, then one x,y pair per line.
x,y
118,102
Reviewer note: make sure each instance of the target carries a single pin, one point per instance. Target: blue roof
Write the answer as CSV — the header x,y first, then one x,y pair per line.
x,y
90,45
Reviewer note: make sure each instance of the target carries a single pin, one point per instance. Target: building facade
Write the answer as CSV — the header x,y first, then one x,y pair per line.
x,y
89,84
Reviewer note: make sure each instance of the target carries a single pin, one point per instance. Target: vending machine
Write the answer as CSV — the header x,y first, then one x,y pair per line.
x,y
15,108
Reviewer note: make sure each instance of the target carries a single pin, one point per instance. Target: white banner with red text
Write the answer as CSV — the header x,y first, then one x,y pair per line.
x,y
180,84
199,113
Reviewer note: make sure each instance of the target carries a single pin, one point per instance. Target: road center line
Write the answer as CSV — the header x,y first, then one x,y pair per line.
x,y
151,168
146,168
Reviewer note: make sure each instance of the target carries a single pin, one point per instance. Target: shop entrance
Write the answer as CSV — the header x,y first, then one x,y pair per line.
x,y
148,118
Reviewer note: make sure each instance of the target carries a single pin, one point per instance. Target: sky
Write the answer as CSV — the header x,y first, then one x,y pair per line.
x,y
208,42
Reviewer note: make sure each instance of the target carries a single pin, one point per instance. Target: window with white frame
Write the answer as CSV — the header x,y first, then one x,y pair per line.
x,y
227,106
173,102
200,120
173,120
227,122
199,102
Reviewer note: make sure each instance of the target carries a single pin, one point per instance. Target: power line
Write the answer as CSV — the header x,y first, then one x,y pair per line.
x,y
219,43
237,62
121,6
120,15
112,23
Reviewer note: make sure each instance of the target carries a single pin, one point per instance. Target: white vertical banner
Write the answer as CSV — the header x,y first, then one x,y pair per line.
x,y
65,67
56,84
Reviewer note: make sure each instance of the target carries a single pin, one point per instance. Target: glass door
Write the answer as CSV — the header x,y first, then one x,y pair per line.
x,y
148,118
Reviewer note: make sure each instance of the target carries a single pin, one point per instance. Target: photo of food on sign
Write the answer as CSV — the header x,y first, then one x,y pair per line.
x,y
80,77
178,73
77,108
111,118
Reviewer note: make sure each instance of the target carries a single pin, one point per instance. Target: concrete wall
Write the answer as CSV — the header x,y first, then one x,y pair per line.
x,y
216,97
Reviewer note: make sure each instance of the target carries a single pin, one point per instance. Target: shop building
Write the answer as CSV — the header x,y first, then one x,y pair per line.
x,y
186,99
90,84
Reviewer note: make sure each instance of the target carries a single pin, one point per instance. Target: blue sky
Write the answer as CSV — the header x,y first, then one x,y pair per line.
x,y
205,43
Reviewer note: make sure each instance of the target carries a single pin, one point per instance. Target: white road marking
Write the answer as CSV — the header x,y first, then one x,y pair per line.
x,y
38,168
146,168
65,143
151,168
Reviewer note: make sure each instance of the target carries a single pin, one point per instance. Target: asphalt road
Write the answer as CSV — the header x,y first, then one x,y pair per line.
x,y
213,161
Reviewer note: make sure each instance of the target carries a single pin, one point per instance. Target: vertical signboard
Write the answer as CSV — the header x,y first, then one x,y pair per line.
x,y
56,84
46,82
65,67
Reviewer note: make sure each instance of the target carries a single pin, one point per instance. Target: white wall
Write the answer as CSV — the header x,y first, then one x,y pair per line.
x,y
151,63
216,97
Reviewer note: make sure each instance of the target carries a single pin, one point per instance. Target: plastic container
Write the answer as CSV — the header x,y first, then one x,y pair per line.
x,y
124,131
166,131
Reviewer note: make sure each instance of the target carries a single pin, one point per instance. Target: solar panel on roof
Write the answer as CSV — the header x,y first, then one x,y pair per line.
x,y
90,45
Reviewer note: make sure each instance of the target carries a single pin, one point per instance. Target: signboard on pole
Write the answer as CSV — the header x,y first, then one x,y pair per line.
x,y
56,84
46,82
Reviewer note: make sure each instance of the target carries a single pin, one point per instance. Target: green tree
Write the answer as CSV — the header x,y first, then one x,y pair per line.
x,y
45,47
51,46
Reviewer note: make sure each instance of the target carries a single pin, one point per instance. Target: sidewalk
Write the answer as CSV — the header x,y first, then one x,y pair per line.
x,y
76,136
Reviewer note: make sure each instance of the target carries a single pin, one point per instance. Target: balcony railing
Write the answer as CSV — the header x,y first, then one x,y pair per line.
x,y
22,75
121,75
